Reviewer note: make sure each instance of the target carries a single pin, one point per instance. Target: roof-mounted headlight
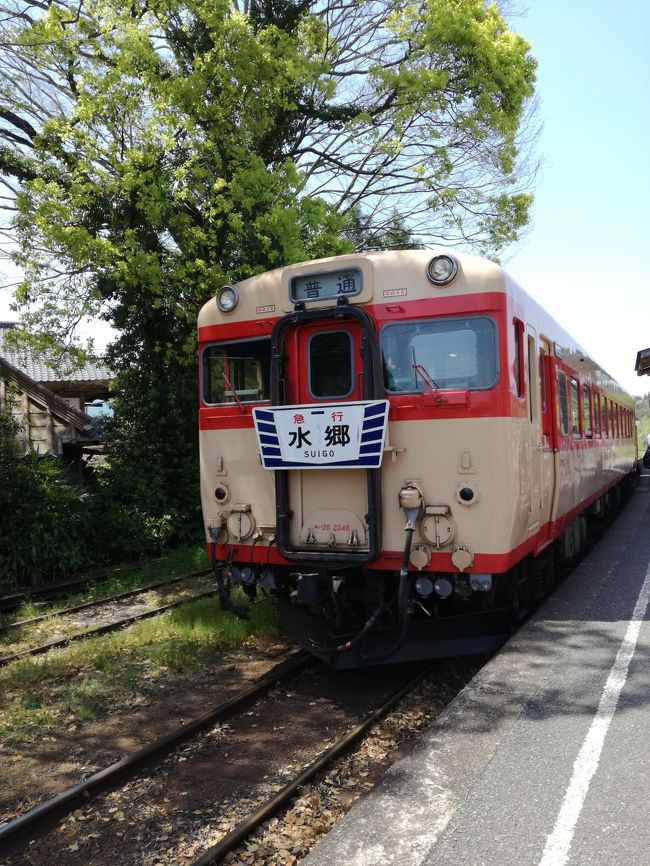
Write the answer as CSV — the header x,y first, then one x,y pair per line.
x,y
441,270
227,298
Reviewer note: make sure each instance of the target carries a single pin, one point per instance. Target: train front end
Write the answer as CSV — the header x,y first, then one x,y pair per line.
x,y
347,412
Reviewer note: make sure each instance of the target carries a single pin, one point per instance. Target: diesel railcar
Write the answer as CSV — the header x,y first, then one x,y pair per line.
x,y
399,446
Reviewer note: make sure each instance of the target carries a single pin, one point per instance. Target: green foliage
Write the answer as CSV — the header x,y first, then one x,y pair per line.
x,y
92,676
365,235
41,515
115,580
50,527
104,668
151,481
195,144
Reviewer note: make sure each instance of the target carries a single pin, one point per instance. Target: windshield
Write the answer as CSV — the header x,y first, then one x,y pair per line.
x,y
446,353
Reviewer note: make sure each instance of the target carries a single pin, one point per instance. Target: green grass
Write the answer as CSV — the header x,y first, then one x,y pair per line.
x,y
83,679
120,579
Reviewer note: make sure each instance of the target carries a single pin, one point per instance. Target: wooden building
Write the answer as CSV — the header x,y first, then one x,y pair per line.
x,y
642,366
51,405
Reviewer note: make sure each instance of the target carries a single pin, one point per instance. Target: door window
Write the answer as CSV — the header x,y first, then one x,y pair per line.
x,y
331,364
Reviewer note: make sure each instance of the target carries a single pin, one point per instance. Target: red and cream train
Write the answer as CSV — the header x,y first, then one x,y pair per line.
x,y
399,444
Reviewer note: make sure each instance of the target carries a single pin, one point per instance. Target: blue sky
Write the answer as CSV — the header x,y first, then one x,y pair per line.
x,y
586,257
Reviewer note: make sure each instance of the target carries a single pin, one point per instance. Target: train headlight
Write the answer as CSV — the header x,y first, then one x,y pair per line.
x,y
227,298
441,270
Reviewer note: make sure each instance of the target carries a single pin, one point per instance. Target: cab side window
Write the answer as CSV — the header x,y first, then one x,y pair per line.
x,y
232,372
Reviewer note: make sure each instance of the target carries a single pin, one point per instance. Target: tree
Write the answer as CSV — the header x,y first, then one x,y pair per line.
x,y
151,152
186,144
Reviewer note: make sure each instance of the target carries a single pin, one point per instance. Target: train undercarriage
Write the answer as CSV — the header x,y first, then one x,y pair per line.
x,y
355,617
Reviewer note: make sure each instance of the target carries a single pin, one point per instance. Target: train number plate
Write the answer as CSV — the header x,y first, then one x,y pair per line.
x,y
322,436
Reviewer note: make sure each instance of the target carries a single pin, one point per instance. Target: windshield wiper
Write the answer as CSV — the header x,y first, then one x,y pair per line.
x,y
424,374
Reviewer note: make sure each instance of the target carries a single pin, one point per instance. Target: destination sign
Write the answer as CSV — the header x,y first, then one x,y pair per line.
x,y
322,436
330,285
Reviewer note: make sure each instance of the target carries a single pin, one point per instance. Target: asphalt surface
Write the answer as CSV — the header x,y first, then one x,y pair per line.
x,y
544,758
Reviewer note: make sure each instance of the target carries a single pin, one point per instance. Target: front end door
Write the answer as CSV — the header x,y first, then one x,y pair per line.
x,y
326,372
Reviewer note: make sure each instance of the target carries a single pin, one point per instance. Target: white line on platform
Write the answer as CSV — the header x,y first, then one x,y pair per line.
x,y
559,841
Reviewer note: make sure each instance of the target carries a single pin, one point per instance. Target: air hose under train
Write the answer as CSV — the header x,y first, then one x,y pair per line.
x,y
411,502
223,585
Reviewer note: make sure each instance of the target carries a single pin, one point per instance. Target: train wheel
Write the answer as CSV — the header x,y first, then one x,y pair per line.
x,y
570,542
550,576
539,582
521,590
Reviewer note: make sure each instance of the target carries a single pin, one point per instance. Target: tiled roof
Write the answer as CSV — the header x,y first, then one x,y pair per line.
x,y
38,369
57,406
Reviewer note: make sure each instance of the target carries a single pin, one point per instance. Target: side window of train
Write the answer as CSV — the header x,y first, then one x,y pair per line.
x,y
330,364
596,414
533,390
586,412
604,418
545,376
575,410
520,374
234,372
456,353
563,402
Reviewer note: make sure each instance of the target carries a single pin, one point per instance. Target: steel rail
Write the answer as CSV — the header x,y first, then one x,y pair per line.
x,y
106,600
39,820
103,629
55,590
237,835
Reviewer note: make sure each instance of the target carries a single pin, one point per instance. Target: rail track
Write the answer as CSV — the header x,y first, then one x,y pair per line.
x,y
36,823
21,623
106,628
50,591
149,795
257,817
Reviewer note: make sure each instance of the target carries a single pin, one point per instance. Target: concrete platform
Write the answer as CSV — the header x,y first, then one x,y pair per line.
x,y
544,758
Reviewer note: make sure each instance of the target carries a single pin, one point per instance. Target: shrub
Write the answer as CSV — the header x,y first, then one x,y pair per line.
x,y
42,515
